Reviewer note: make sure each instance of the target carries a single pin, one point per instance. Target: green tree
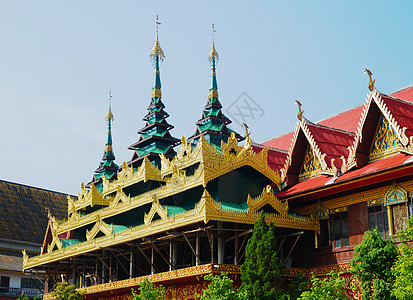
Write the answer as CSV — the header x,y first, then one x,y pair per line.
x,y
371,265
64,291
149,291
262,269
23,297
329,288
403,267
220,288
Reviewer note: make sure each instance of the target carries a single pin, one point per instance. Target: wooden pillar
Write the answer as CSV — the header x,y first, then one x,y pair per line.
x,y
110,267
390,218
236,242
152,261
197,250
131,265
83,279
221,245
103,267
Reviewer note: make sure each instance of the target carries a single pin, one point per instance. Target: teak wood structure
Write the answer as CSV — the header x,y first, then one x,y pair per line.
x,y
178,213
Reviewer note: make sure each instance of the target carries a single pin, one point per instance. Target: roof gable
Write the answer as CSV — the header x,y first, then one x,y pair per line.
x,y
399,116
328,145
385,141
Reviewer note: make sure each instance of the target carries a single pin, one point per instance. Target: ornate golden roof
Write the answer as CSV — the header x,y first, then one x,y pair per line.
x,y
211,163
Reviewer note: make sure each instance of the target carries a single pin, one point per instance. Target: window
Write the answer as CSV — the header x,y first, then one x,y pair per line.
x,y
324,233
4,281
378,219
339,230
4,284
31,283
410,206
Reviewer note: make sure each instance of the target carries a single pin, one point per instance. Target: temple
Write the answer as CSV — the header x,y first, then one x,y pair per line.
x,y
178,213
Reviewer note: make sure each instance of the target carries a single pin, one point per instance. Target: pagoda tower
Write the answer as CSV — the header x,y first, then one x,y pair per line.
x,y
213,123
107,166
155,137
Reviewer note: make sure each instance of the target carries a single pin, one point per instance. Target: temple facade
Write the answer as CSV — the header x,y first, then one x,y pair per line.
x,y
176,213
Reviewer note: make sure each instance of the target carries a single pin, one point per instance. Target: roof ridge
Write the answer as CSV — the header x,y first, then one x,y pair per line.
x,y
37,188
402,89
335,129
269,147
277,137
398,99
340,113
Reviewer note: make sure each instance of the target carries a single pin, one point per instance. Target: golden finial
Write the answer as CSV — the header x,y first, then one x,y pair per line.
x,y
156,49
109,115
371,82
213,53
300,112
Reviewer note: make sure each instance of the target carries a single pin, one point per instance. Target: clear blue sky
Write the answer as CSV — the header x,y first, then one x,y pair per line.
x,y
58,60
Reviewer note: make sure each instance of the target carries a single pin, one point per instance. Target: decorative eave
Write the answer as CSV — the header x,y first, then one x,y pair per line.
x,y
87,197
127,176
205,210
190,272
325,169
216,163
407,143
212,164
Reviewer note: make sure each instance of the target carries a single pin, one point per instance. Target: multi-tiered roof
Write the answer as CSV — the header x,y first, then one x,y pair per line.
x,y
213,123
155,138
107,167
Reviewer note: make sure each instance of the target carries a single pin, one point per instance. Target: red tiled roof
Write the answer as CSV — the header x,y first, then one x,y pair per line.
x,y
275,158
282,142
375,167
369,169
306,185
347,120
402,111
332,142
405,94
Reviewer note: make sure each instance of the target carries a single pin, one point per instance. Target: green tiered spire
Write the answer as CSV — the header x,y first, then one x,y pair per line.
x,y
155,136
107,167
213,123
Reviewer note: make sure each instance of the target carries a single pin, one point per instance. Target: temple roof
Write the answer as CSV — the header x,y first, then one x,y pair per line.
x,y
23,211
404,93
155,137
213,123
385,125
107,167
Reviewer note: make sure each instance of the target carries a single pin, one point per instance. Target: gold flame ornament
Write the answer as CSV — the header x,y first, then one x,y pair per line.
x,y
371,82
300,112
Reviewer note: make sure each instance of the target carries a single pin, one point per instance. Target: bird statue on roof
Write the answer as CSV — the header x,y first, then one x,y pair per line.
x,y
300,112
247,133
371,82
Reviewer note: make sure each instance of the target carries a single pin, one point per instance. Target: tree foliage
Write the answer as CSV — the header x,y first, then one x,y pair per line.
x,y
64,291
149,291
220,288
403,266
329,288
372,263
262,269
23,297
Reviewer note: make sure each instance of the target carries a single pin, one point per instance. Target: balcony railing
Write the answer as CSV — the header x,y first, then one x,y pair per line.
x,y
16,292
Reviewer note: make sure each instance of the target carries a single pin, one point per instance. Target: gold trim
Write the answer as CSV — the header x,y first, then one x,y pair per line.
x,y
267,197
395,195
